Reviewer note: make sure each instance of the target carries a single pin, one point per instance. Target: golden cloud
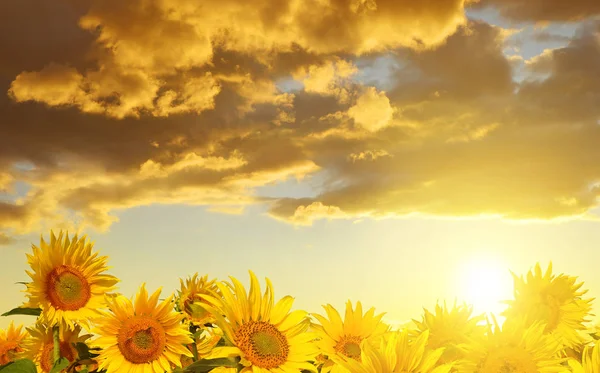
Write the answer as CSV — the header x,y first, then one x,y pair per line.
x,y
140,45
488,150
116,93
372,110
330,78
182,102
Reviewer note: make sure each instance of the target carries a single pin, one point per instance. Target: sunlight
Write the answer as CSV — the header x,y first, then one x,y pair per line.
x,y
484,283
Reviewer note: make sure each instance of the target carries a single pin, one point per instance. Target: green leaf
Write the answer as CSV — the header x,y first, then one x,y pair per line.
x,y
206,365
23,311
84,370
19,366
61,364
83,351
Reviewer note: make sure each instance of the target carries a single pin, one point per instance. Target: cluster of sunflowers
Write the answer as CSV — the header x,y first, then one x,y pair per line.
x,y
84,326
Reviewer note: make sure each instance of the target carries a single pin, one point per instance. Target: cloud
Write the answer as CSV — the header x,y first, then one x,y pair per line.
x,y
329,78
484,150
542,63
547,10
123,104
372,110
5,240
114,93
141,46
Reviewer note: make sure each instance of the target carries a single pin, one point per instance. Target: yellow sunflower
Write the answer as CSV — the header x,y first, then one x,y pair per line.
x,y
69,282
337,337
40,346
514,348
590,361
266,336
450,328
555,301
191,293
11,343
396,354
141,335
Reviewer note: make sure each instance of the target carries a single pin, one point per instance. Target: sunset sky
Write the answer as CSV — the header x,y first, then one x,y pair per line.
x,y
396,152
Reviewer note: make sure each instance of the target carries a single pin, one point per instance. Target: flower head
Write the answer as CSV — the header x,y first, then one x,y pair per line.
x,y
344,338
11,343
40,346
141,335
190,296
553,300
68,281
266,336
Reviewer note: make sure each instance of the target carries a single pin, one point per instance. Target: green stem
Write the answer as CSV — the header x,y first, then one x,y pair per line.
x,y
56,335
193,330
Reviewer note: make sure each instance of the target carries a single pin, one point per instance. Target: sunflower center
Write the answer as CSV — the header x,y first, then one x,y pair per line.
x,y
47,355
8,351
262,344
349,345
68,288
141,340
507,368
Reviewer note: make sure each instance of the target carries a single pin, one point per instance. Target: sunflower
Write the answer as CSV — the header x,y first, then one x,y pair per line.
x,y
514,348
68,281
40,346
396,354
11,343
141,335
266,336
345,338
450,328
555,301
590,361
191,293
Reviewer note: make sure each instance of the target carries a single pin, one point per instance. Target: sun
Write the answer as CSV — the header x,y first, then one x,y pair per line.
x,y
485,282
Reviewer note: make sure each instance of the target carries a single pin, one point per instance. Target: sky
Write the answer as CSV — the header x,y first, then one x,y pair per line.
x,y
396,152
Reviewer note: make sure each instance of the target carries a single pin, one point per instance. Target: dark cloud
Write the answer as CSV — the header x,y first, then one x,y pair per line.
x,y
111,105
480,150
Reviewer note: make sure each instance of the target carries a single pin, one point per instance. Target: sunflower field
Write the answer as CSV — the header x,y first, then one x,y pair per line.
x,y
82,324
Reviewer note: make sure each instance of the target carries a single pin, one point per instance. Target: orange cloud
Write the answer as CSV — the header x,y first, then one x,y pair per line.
x,y
372,110
484,150
142,45
115,93
330,78
121,104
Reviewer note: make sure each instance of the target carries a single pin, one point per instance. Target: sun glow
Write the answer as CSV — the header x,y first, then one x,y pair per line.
x,y
485,283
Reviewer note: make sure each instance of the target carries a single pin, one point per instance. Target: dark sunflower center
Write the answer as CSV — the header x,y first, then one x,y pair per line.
x,y
349,345
67,288
262,344
508,368
141,340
